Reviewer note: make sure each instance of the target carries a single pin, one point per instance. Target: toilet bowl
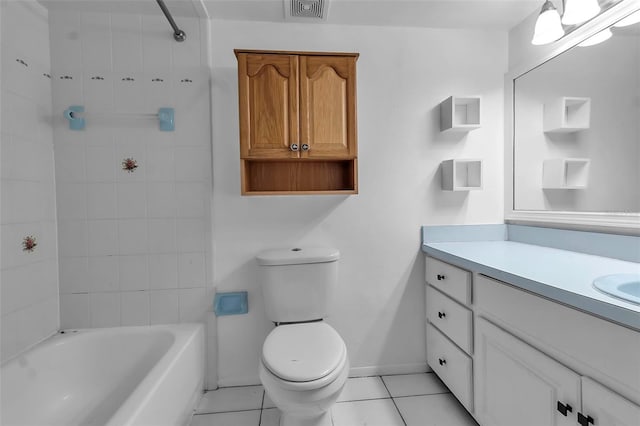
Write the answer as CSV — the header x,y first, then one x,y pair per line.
x,y
304,363
303,369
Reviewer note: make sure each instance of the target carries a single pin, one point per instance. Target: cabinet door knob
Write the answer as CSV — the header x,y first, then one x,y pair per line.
x,y
305,147
440,277
442,361
441,315
585,420
564,408
294,147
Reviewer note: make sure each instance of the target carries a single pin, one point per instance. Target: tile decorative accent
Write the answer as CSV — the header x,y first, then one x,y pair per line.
x,y
29,243
129,164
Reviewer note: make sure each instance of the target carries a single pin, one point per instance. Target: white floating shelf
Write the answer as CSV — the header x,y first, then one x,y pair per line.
x,y
567,114
565,173
461,175
460,114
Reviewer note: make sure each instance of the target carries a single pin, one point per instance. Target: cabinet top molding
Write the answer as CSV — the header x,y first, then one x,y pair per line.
x,y
290,52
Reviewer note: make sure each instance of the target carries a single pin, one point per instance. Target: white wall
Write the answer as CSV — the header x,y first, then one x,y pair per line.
x,y
403,74
135,248
29,282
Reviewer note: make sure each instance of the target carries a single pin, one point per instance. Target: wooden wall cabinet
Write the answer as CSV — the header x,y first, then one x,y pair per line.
x,y
298,129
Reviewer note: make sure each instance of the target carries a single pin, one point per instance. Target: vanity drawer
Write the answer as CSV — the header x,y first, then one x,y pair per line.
x,y
453,319
450,364
449,279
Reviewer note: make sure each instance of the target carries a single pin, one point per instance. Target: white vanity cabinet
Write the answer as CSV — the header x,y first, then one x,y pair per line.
x,y
547,392
531,360
449,327
534,357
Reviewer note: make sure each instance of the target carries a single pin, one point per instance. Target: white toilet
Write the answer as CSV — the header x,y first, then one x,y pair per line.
x,y
304,363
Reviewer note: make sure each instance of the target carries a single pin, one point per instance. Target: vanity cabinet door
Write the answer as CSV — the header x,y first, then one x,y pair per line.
x,y
607,408
516,384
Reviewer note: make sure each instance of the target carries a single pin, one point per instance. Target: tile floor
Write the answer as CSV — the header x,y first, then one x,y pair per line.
x,y
402,400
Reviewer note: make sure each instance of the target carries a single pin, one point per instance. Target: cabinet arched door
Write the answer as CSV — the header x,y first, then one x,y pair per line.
x,y
269,100
328,106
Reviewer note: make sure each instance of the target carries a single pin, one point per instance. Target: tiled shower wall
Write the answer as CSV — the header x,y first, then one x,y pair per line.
x,y
134,244
29,281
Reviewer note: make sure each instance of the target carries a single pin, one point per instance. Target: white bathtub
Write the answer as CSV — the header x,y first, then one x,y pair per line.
x,y
147,376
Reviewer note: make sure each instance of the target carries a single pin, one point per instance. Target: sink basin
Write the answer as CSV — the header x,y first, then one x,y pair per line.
x,y
621,286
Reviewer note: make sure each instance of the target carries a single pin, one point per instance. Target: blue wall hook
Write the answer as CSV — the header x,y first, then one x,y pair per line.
x,y
166,119
73,115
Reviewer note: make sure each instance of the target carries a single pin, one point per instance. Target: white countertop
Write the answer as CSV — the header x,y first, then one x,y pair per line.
x,y
562,275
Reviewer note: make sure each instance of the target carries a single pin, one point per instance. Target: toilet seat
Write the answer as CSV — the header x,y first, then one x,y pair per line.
x,y
305,355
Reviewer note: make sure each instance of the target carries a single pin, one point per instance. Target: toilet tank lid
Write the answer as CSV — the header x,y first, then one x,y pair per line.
x,y
297,256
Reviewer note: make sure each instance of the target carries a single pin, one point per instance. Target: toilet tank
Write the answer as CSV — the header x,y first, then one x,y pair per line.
x,y
298,283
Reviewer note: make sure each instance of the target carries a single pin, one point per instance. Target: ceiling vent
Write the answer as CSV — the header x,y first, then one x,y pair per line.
x,y
306,10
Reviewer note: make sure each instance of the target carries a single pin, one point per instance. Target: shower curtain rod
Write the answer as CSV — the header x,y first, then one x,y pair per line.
x,y
178,34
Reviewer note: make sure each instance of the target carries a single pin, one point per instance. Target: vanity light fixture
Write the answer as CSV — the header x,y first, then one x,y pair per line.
x,y
597,38
548,26
579,11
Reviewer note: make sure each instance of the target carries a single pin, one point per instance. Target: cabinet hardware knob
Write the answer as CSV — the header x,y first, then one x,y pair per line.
x,y
441,315
294,147
585,420
442,361
564,408
440,277
305,147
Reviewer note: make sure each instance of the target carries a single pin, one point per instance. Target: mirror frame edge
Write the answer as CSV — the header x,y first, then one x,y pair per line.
x,y
619,223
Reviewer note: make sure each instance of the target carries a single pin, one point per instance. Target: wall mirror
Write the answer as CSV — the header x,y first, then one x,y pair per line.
x,y
576,131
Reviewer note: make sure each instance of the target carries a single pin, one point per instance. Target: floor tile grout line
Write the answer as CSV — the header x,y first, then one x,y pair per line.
x,y
264,393
394,402
385,386
363,399
227,411
421,394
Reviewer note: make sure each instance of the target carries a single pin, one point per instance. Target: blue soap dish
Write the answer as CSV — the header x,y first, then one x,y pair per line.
x,y
231,303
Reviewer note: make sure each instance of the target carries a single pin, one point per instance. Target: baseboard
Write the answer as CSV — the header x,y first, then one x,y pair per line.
x,y
238,381
384,370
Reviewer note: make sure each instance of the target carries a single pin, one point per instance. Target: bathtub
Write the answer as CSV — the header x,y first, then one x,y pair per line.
x,y
148,376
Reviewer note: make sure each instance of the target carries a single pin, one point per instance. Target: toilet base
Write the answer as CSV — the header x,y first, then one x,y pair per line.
x,y
291,420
